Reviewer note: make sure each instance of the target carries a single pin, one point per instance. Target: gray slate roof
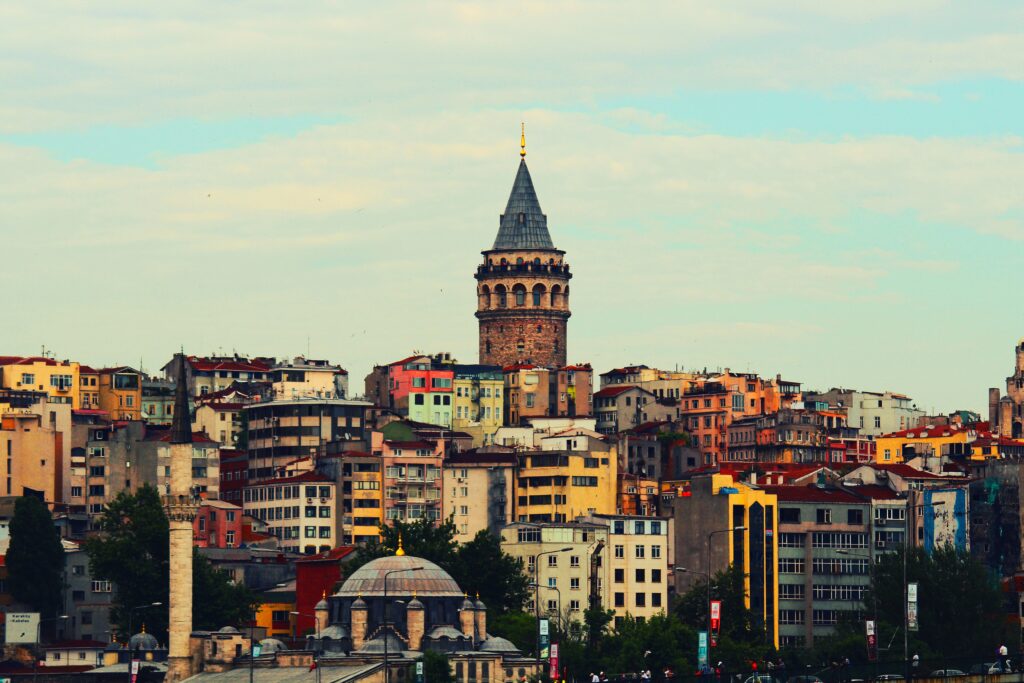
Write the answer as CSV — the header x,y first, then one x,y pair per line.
x,y
523,225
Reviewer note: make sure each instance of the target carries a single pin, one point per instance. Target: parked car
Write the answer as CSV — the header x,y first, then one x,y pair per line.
x,y
761,678
888,677
947,673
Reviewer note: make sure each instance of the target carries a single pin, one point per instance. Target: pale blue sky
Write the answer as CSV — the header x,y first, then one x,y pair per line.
x,y
829,193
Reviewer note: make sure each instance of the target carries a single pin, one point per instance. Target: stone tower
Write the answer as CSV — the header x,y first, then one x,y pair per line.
x,y
1006,413
180,505
523,285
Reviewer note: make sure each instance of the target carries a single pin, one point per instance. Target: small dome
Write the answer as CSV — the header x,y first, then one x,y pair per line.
x,y
143,641
427,580
377,645
227,629
451,632
414,604
359,603
479,604
112,646
335,632
495,644
468,604
322,605
269,645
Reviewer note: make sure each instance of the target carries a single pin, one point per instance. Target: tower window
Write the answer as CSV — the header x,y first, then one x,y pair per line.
x,y
487,346
520,346
538,294
500,291
540,328
520,293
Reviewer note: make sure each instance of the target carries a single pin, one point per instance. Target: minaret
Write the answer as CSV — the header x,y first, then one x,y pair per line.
x,y
523,284
180,505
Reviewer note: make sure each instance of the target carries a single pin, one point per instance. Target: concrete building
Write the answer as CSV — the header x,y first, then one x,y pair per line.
x,y
523,286
419,387
789,435
621,407
303,377
412,479
207,375
532,432
479,401
716,503
301,511
157,401
281,431
479,491
87,601
579,478
358,476
218,524
58,379
872,412
35,440
533,391
567,582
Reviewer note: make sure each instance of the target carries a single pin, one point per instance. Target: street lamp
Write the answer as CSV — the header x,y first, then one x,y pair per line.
x,y
536,590
906,550
39,637
131,650
536,594
252,637
708,575
387,677
316,650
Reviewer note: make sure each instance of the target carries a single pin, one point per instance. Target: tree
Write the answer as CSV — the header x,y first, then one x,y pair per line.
x,y
518,627
482,567
421,538
436,668
959,602
132,551
35,557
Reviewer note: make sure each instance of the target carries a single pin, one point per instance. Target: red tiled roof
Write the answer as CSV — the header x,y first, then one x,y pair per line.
x,y
408,358
904,470
812,494
629,369
579,368
933,431
86,370
89,411
120,368
609,392
519,366
332,555
164,434
225,406
207,365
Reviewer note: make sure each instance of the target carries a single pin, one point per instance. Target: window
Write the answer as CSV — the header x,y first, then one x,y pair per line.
x,y
310,532
789,515
78,570
230,539
325,512
655,576
552,582
552,560
640,575
791,565
823,515
574,584
325,532
620,575
620,599
838,592
574,560
878,422
889,514
574,605
791,617
828,539
791,591
639,552
855,517
792,540
620,551
641,599
27,378
100,586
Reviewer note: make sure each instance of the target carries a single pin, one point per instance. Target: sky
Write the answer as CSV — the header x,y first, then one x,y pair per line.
x,y
827,191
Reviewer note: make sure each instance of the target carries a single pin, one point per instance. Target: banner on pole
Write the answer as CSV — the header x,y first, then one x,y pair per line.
x,y
545,638
872,638
716,621
554,662
912,606
702,650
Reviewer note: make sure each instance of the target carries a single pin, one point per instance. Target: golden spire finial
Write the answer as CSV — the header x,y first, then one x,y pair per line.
x,y
143,627
401,551
324,596
522,140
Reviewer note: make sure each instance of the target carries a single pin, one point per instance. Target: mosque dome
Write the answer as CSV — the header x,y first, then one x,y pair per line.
x,y
143,641
377,644
496,644
430,581
269,645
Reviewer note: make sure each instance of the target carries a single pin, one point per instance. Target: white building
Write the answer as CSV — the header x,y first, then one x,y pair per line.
x,y
874,413
301,511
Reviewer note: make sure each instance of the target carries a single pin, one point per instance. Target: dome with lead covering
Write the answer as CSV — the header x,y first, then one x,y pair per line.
x,y
430,581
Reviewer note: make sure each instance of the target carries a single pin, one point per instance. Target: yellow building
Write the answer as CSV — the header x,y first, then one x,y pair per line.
x,y
120,393
88,388
951,440
361,498
574,476
59,379
736,525
479,402
275,611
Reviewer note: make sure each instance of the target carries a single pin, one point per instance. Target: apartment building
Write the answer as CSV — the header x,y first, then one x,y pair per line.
x,y
300,511
479,401
872,412
478,489
532,391
87,601
120,393
36,445
59,380
566,582
207,375
359,479
620,407
573,475
304,377
218,524
412,479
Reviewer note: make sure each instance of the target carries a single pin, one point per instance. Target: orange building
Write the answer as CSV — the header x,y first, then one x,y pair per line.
x,y
120,393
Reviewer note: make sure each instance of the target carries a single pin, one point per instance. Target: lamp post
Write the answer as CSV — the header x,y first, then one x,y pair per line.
x,y
131,650
906,551
316,650
387,677
536,594
708,575
39,637
252,635
536,589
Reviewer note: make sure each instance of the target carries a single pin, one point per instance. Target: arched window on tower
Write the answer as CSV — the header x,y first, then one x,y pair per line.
x,y
519,291
519,261
500,292
485,295
520,347
556,290
538,294
487,346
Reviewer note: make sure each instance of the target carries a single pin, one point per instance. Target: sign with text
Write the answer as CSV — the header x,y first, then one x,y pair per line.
x,y
702,650
716,621
872,638
911,606
545,638
419,672
22,627
554,661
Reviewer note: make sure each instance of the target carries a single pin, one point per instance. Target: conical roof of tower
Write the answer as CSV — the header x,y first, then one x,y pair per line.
x,y
181,428
523,225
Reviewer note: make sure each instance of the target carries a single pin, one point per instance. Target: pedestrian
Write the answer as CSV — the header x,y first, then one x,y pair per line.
x,y
594,678
1004,659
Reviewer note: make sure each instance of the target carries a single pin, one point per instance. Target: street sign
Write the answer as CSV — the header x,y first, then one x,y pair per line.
x,y
545,638
135,670
554,662
419,672
716,621
256,650
22,627
702,650
911,606
872,638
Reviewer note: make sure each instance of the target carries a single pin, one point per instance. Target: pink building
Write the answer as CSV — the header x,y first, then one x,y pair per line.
x,y
218,524
420,387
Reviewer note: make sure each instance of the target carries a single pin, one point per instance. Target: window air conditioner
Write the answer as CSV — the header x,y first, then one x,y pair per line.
x,y
879,544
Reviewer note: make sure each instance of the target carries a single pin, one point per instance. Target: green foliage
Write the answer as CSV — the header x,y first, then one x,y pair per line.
x,y
959,603
132,550
436,668
479,566
519,627
35,558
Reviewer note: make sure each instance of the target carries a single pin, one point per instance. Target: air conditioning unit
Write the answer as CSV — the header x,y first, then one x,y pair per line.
x,y
309,501
323,500
880,544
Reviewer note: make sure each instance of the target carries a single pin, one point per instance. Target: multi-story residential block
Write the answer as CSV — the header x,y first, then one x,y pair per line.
x,y
412,479
954,441
302,377
88,388
621,407
800,435
58,379
35,441
218,524
278,432
419,387
638,496
872,412
221,421
207,375
637,564
659,450
577,479
120,393
532,432
300,511
359,476
479,491
157,401
533,391
479,401
87,601
721,522
566,582
523,286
